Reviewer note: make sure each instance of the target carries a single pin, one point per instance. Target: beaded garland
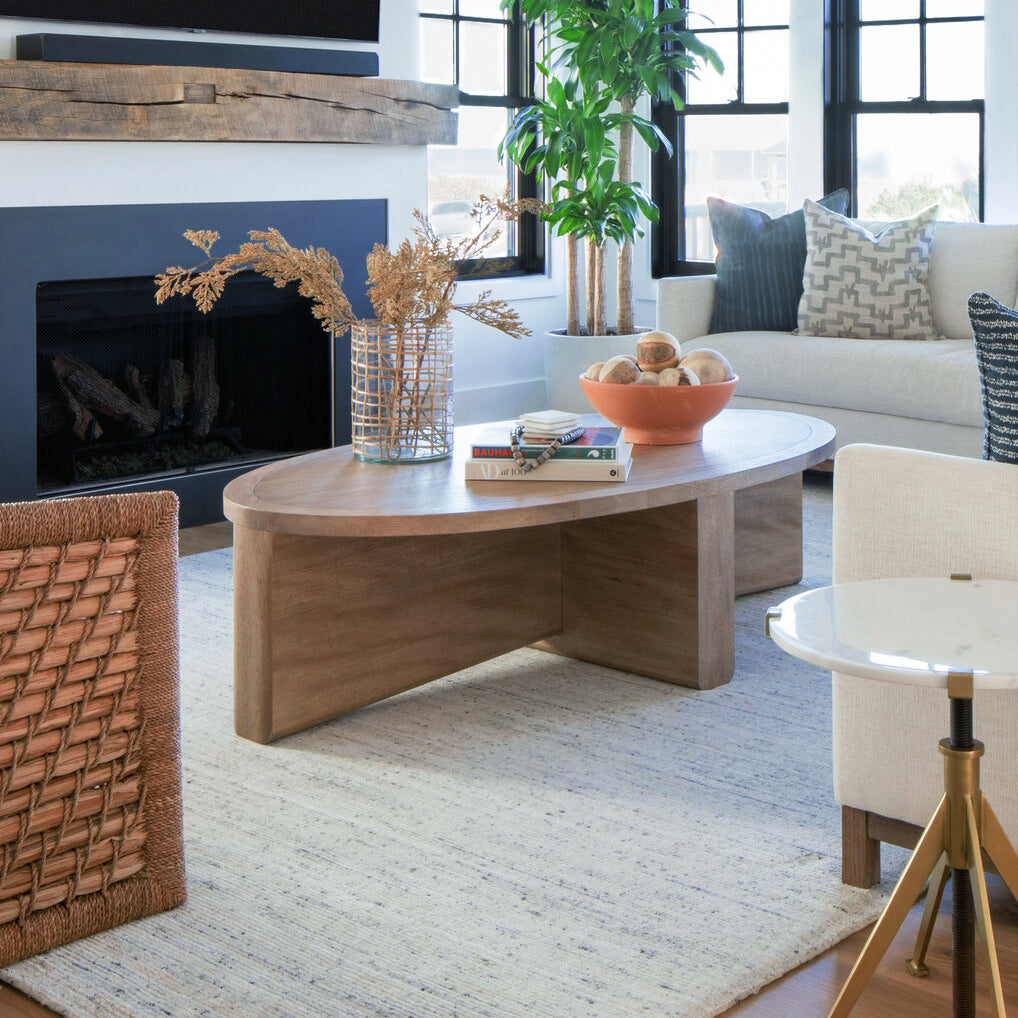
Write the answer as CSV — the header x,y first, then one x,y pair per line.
x,y
526,465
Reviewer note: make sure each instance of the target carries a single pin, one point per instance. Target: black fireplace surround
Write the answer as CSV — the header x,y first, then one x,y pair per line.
x,y
274,400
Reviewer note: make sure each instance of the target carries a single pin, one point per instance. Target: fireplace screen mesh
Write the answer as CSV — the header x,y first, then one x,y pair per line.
x,y
129,389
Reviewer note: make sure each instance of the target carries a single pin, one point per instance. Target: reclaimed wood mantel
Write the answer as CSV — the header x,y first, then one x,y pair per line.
x,y
44,101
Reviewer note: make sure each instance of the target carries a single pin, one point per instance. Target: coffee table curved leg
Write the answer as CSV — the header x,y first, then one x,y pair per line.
x,y
917,963
906,891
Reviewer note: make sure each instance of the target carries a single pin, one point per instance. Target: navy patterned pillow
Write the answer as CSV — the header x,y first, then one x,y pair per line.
x,y
995,333
760,265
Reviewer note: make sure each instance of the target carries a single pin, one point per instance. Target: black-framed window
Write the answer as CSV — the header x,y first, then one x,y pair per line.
x,y
488,54
731,137
904,106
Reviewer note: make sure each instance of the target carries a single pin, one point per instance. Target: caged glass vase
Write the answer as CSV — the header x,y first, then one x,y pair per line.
x,y
402,395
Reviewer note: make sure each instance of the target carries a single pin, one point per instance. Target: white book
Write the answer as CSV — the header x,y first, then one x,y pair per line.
x,y
563,470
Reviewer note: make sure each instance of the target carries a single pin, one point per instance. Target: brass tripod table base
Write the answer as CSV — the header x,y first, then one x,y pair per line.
x,y
962,827
906,630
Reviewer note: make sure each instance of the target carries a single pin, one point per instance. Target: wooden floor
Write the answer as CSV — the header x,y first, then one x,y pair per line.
x,y
809,990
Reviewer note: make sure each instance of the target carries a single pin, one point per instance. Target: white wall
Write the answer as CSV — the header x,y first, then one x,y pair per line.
x,y
493,374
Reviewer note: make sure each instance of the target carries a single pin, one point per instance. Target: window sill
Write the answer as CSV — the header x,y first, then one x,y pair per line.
x,y
511,288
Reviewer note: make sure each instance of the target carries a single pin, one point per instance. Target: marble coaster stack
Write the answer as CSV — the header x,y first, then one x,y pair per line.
x,y
545,425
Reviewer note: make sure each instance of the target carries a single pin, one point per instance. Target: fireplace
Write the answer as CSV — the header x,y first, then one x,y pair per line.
x,y
103,390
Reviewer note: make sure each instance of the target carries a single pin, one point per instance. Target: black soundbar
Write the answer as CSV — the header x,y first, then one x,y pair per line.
x,y
97,49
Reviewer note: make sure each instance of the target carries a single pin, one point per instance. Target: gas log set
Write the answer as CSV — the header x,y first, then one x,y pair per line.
x,y
94,428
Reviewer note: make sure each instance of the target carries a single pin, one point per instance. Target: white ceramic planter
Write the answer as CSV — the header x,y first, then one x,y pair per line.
x,y
567,357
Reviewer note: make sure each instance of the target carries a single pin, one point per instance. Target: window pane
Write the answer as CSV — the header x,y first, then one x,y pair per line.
x,y
436,51
954,8
954,60
481,9
459,174
741,158
888,10
714,14
712,87
482,58
908,161
888,63
436,6
765,67
765,12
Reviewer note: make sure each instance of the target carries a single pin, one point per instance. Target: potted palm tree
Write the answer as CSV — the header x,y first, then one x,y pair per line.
x,y
603,56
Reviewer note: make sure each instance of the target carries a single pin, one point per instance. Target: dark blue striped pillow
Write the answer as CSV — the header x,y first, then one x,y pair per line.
x,y
995,333
760,264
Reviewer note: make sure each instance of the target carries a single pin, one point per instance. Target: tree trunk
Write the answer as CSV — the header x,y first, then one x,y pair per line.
x,y
591,286
625,280
572,286
600,328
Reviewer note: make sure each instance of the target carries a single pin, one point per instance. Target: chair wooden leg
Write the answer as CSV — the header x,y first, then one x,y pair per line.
x,y
860,854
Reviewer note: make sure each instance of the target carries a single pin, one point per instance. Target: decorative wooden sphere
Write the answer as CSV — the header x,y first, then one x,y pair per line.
x,y
594,371
619,370
679,376
656,351
709,365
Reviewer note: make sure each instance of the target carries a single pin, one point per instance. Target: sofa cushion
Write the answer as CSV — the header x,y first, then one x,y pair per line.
x,y
862,286
995,331
927,381
759,267
966,258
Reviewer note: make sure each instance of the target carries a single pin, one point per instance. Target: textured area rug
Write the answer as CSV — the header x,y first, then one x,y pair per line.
x,y
534,836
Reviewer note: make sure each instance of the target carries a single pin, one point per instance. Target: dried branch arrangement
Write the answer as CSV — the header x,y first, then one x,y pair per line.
x,y
413,286
402,390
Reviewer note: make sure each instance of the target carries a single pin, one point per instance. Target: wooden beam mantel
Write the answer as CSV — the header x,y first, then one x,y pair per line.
x,y
44,101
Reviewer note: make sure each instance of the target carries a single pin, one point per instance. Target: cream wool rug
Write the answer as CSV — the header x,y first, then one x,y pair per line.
x,y
531,837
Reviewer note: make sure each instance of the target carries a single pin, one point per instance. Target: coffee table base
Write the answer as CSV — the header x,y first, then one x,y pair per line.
x,y
326,625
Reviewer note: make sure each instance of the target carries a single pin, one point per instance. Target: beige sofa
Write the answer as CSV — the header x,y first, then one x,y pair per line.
x,y
900,512
922,395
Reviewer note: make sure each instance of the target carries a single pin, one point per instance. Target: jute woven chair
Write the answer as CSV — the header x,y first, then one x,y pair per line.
x,y
90,813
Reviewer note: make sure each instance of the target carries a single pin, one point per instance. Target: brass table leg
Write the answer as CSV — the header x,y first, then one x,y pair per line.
x,y
962,827
910,883
941,873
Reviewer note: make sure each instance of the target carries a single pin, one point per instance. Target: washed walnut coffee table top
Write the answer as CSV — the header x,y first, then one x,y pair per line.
x,y
330,493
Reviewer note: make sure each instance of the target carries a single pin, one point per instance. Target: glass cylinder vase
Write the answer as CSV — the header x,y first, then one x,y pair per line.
x,y
402,396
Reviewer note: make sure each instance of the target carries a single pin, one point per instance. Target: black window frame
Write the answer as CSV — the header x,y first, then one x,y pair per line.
x,y
842,26
668,177
520,90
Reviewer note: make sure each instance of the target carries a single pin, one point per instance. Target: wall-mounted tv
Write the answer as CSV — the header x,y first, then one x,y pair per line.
x,y
324,19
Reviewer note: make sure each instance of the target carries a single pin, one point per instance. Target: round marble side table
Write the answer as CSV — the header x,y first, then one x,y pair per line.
x,y
957,634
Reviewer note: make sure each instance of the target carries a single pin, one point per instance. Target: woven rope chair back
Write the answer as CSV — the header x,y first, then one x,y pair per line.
x,y
90,812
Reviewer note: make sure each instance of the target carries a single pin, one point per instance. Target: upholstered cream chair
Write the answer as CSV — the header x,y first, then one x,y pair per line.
x,y
902,512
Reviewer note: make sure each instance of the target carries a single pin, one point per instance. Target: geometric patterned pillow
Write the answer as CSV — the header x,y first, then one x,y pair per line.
x,y
862,286
995,332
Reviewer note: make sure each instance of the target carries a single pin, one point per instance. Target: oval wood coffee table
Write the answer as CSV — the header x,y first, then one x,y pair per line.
x,y
355,581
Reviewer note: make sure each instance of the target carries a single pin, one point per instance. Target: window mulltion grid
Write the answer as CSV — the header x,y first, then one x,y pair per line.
x,y
843,89
668,175
525,238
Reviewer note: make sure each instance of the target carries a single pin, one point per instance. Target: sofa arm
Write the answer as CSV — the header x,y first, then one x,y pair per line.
x,y
685,305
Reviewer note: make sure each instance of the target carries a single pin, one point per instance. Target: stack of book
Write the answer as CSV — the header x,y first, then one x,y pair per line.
x,y
599,454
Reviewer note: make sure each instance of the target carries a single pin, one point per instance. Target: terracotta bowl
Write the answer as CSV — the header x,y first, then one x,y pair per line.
x,y
659,414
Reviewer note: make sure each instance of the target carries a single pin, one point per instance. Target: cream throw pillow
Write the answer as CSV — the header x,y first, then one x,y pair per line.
x,y
862,286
